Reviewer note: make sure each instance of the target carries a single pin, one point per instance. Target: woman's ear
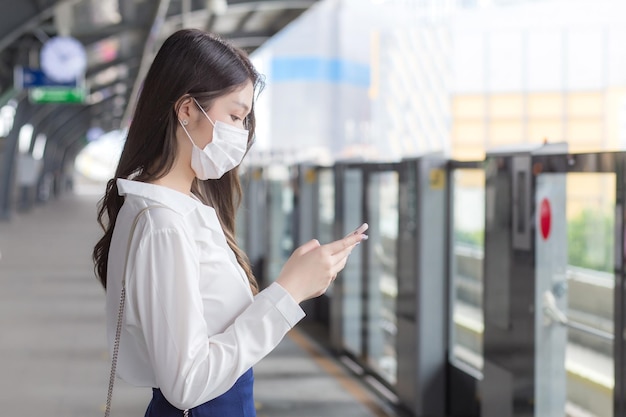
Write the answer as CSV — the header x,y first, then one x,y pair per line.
x,y
183,107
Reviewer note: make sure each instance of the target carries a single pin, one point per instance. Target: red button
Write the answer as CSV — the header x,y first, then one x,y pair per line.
x,y
545,218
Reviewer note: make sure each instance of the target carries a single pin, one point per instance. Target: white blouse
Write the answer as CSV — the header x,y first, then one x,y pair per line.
x,y
191,324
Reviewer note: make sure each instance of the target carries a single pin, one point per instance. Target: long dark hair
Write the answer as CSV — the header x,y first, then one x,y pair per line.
x,y
189,63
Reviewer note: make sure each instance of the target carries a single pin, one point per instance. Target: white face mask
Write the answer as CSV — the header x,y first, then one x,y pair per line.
x,y
222,154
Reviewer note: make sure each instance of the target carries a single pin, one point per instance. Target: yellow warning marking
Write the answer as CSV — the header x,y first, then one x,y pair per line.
x,y
310,176
338,374
437,179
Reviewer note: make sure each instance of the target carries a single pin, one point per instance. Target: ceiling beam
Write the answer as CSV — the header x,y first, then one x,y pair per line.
x,y
28,20
160,13
245,19
274,4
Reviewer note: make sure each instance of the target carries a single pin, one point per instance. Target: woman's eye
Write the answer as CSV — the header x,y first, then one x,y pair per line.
x,y
234,118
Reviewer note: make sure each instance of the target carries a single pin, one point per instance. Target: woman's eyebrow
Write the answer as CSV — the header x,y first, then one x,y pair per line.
x,y
241,104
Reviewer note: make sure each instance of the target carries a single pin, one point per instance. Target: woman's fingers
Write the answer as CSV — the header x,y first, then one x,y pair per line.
x,y
340,259
309,246
342,244
359,230
312,267
343,254
338,267
339,250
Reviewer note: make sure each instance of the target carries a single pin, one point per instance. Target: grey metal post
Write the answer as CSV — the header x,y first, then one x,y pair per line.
x,y
422,297
508,269
255,210
511,283
336,301
62,139
619,347
346,307
305,208
9,156
305,217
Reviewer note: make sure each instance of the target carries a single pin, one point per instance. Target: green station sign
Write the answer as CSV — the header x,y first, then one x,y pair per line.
x,y
57,95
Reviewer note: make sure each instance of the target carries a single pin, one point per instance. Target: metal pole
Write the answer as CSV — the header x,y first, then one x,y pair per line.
x,y
7,169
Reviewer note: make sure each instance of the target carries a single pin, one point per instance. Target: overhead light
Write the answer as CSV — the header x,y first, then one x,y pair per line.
x,y
94,133
119,101
25,137
217,7
7,115
120,88
95,97
105,12
110,74
40,146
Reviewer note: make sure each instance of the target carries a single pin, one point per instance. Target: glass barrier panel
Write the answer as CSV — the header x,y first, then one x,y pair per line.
x,y
326,213
280,199
326,200
466,284
382,274
352,275
589,359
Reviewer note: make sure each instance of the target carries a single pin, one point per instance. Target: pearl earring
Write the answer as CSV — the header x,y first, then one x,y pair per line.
x,y
185,122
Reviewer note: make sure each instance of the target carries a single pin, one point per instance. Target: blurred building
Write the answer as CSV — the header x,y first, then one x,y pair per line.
x,y
539,71
389,79
357,79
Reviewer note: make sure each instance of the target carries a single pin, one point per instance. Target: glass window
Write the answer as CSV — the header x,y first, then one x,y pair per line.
x,y
326,201
468,231
589,359
352,275
382,273
280,218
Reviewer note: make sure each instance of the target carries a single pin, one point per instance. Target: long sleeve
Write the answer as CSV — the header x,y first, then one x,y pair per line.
x,y
190,365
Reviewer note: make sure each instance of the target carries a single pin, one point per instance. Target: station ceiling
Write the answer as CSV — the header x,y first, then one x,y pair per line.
x,y
121,38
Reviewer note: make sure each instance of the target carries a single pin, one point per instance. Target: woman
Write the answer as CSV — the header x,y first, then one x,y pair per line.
x,y
194,322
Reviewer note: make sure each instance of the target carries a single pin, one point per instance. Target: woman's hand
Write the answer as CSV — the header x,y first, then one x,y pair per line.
x,y
312,267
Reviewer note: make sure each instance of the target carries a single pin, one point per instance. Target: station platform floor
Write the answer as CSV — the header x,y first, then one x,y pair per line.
x,y
53,348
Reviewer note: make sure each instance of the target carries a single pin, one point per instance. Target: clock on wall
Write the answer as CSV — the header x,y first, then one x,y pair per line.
x,y
63,59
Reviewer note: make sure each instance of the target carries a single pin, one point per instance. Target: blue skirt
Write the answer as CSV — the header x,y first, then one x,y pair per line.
x,y
236,402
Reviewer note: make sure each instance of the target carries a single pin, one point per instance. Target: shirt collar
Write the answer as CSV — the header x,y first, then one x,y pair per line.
x,y
177,201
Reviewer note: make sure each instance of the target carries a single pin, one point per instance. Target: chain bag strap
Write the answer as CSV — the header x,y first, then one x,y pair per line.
x,y
120,315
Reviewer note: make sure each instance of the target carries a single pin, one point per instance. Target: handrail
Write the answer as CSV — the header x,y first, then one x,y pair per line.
x,y
553,313
590,330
